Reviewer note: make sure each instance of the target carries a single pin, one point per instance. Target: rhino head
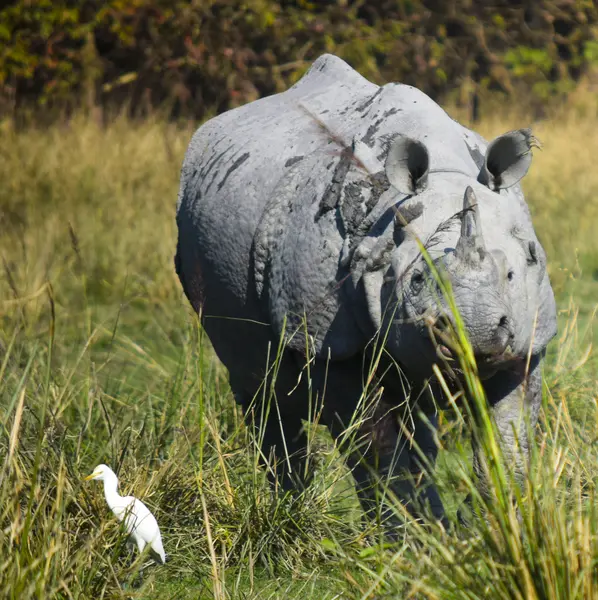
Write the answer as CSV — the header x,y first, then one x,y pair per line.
x,y
479,280
493,279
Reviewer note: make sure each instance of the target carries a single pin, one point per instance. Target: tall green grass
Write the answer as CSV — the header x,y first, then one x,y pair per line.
x,y
102,361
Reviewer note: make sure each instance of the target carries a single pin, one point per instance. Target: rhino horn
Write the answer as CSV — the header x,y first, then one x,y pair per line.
x,y
470,247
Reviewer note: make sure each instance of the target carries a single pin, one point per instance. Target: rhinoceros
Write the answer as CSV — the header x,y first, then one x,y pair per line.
x,y
304,219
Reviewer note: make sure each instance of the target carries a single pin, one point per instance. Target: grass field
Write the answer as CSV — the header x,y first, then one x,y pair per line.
x,y
101,360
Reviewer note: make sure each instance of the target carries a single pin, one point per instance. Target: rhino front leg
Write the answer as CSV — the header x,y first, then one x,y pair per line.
x,y
423,458
276,423
514,398
396,460
378,456
387,451
282,444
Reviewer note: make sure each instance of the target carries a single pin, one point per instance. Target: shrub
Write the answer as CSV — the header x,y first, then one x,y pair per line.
x,y
197,58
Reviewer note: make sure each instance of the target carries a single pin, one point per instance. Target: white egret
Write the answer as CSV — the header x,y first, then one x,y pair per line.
x,y
140,523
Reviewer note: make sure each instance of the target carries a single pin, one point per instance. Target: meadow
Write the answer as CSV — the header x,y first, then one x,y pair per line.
x,y
102,360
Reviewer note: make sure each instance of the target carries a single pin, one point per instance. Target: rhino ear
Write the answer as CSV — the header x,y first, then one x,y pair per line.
x,y
407,165
508,158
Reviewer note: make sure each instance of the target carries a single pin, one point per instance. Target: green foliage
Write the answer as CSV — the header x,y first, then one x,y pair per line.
x,y
197,58
591,52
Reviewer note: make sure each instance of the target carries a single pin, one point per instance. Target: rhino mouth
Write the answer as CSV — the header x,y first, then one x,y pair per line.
x,y
439,337
487,364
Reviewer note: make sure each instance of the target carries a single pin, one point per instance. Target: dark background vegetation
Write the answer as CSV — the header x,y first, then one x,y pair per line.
x,y
194,59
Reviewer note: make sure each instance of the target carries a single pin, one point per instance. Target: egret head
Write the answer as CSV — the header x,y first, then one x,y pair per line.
x,y
101,472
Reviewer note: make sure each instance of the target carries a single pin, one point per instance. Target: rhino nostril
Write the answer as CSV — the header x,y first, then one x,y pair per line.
x,y
503,335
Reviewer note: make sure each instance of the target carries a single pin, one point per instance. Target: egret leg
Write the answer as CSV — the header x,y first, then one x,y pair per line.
x,y
139,579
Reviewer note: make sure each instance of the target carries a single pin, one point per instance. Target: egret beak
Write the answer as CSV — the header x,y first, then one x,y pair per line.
x,y
89,477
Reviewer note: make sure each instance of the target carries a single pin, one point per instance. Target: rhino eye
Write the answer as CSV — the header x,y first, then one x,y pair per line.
x,y
417,281
510,275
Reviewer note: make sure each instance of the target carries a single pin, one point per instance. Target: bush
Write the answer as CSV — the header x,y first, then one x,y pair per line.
x,y
197,58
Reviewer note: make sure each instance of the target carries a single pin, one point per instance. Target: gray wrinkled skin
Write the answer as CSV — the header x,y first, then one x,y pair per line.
x,y
308,206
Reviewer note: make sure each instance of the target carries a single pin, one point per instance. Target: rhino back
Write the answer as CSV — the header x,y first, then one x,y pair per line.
x,y
235,160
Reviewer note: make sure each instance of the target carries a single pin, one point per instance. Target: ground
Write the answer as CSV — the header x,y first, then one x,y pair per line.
x,y
101,360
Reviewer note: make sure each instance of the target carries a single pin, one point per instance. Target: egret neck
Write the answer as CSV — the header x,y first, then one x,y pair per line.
x,y
110,490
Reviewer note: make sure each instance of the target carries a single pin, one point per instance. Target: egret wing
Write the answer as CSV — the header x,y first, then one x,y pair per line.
x,y
140,523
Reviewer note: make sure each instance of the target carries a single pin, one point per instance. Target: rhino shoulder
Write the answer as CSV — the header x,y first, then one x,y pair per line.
x,y
298,273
